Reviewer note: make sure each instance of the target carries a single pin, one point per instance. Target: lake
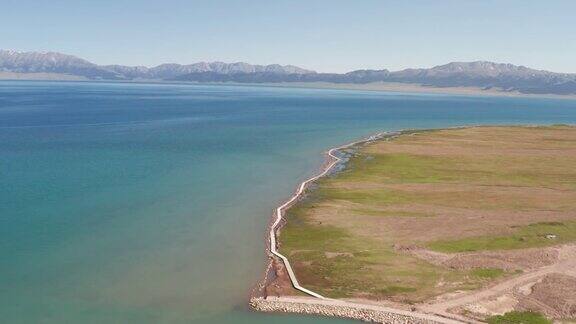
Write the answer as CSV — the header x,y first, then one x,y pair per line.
x,y
148,203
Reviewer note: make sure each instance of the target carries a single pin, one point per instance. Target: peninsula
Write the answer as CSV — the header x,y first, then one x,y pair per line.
x,y
452,225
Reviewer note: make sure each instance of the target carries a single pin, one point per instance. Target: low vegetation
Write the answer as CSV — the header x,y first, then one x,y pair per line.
x,y
487,273
533,235
338,264
519,318
468,190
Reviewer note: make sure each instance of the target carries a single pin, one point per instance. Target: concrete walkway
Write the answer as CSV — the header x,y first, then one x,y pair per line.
x,y
279,214
320,302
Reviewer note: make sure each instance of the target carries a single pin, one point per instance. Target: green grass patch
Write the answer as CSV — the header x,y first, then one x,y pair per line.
x,y
298,234
366,197
394,290
337,264
533,235
487,273
516,317
390,213
397,168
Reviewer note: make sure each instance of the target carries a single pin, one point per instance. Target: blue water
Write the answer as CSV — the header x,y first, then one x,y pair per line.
x,y
148,203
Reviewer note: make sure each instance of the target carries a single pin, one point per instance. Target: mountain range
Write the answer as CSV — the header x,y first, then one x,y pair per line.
x,y
479,74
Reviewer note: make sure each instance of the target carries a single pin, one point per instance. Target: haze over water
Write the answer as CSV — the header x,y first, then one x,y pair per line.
x,y
148,203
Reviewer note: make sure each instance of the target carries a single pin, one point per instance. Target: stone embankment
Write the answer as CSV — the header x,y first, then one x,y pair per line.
x,y
343,309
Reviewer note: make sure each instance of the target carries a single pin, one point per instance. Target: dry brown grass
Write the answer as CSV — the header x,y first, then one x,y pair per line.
x,y
451,190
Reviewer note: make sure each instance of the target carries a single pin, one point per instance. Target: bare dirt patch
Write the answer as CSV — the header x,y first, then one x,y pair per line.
x,y
554,295
548,290
280,284
512,260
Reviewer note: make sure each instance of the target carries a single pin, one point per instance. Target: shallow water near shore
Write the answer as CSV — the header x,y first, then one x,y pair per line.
x,y
148,203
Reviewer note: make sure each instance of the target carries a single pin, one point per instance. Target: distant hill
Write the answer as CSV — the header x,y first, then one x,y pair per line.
x,y
51,62
480,74
486,75
490,75
171,71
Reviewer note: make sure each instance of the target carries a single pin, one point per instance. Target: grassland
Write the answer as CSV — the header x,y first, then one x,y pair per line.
x,y
449,191
519,318
533,235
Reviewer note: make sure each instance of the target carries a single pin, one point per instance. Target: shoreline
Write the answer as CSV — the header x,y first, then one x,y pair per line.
x,y
278,216
276,221
364,310
386,87
411,88
314,303
348,310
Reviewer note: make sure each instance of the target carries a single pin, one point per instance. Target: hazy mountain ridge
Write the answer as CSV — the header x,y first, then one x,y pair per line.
x,y
172,70
489,75
482,74
52,62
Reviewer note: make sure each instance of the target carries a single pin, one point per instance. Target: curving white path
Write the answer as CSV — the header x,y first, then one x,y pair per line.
x,y
280,211
334,160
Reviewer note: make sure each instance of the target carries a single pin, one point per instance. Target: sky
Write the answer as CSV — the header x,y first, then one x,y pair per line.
x,y
323,35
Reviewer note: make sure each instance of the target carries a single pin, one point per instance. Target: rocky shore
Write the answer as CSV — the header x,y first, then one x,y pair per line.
x,y
336,308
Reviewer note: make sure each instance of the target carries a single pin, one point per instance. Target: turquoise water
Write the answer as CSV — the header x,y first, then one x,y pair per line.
x,y
148,203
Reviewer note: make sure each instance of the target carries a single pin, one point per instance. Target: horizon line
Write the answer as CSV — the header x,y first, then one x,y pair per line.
x,y
285,65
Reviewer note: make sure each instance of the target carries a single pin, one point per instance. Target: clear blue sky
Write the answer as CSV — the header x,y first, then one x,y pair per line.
x,y
325,35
